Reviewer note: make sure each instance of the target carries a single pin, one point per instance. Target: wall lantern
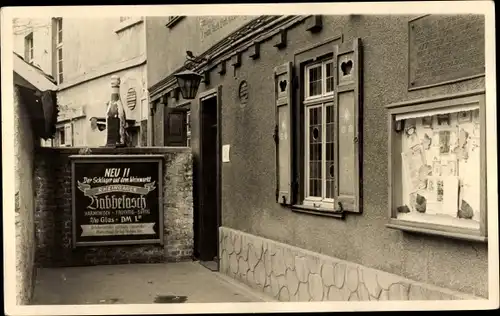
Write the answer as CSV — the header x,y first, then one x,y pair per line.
x,y
189,80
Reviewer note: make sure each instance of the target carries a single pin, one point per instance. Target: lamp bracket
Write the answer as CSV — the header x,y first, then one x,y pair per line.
x,y
193,61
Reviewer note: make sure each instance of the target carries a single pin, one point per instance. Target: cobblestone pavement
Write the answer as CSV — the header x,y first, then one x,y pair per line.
x,y
187,282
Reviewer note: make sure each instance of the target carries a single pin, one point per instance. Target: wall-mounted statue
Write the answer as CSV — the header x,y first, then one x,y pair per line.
x,y
115,117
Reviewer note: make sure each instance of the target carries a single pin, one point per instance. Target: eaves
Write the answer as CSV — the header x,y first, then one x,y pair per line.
x,y
104,71
229,46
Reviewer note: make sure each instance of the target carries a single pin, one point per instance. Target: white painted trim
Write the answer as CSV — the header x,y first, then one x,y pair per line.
x,y
128,24
452,109
323,94
104,71
32,75
207,94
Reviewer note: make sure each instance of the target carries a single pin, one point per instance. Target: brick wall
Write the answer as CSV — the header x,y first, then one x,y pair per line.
x,y
53,219
144,133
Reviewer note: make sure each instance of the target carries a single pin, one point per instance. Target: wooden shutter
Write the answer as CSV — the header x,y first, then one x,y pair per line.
x,y
175,127
283,133
348,122
68,134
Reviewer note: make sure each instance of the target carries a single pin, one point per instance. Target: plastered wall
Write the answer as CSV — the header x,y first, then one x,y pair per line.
x,y
24,201
166,48
248,180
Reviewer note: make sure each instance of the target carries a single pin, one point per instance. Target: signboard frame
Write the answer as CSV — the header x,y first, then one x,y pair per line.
x,y
95,159
445,77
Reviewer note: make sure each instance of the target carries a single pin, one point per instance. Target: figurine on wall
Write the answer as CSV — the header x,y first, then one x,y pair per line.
x,y
116,119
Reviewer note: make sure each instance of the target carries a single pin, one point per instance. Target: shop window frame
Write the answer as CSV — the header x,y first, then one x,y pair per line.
x,y
395,166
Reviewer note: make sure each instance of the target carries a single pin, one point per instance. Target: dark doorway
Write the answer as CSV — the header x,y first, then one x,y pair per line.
x,y
207,210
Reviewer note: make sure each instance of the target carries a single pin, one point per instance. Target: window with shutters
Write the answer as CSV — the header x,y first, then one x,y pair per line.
x,y
318,129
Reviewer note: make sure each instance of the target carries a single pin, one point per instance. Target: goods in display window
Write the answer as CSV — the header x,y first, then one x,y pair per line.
x,y
440,173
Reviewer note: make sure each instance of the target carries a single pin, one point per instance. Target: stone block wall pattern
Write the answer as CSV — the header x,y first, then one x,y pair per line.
x,y
292,274
53,217
24,201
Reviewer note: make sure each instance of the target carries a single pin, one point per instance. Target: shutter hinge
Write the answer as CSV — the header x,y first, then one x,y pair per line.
x,y
340,207
283,200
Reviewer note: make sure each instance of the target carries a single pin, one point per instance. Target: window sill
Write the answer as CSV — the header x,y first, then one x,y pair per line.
x,y
170,24
449,233
128,24
317,211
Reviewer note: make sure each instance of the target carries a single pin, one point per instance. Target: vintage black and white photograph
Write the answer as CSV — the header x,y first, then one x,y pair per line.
x,y
265,155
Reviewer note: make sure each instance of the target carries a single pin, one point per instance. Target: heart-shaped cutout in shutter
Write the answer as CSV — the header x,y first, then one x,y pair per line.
x,y
283,85
346,67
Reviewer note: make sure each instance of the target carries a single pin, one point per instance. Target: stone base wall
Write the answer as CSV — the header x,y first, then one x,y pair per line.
x,y
53,216
288,273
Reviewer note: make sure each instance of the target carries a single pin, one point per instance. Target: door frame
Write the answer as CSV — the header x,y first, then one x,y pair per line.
x,y
203,96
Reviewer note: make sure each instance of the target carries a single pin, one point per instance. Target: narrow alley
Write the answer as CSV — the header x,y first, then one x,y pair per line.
x,y
183,282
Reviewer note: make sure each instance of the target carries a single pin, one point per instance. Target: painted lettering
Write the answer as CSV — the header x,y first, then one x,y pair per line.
x,y
113,202
112,172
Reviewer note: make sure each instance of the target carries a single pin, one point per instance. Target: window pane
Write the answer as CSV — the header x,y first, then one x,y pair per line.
x,y
453,166
329,77
330,187
315,151
315,81
188,122
61,136
59,30
60,64
315,188
329,147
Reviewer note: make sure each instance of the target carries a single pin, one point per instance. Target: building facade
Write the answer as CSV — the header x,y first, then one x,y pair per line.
x,y
170,121
338,157
82,55
166,52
